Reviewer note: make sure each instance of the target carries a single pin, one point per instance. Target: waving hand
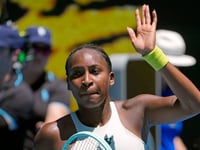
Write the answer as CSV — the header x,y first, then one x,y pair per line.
x,y
144,38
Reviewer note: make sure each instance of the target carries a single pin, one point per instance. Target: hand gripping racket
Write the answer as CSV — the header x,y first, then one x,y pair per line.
x,y
85,140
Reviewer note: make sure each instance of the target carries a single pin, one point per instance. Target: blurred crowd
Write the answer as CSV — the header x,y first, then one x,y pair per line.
x,y
29,94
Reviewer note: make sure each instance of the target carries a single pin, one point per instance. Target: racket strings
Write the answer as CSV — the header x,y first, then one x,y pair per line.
x,y
86,144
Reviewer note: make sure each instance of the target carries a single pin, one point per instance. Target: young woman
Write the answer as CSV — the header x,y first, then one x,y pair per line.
x,y
125,122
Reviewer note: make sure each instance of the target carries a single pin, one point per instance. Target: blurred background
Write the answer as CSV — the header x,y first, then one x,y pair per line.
x,y
73,22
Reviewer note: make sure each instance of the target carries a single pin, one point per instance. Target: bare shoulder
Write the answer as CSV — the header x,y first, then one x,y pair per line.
x,y
48,130
47,136
53,135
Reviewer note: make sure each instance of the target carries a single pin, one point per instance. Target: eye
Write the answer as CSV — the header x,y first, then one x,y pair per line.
x,y
76,72
95,70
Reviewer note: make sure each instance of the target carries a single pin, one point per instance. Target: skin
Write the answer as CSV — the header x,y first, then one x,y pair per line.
x,y
178,144
137,114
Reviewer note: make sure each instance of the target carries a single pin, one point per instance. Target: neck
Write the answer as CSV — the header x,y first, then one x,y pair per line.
x,y
95,116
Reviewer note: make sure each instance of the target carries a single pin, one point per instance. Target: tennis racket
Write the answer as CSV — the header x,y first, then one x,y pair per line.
x,y
86,140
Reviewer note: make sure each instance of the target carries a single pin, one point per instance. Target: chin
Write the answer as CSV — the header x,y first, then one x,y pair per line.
x,y
90,103
94,104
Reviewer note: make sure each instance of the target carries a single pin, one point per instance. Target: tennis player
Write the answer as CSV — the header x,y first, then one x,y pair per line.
x,y
124,124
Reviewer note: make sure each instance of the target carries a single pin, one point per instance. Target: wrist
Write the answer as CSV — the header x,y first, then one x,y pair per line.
x,y
156,58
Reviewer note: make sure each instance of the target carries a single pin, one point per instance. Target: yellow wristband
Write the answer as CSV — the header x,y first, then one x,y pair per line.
x,y
156,58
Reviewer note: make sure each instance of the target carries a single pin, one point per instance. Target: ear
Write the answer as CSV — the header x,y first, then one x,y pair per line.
x,y
112,78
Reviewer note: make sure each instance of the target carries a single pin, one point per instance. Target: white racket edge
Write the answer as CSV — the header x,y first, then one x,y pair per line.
x,y
86,133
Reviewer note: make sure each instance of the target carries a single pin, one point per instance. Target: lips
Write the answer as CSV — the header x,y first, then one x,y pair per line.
x,y
88,93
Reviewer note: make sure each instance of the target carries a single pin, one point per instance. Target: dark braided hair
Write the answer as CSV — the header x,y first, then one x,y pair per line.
x,y
92,47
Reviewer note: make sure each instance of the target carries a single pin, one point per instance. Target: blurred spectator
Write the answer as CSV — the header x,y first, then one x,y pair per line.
x,y
15,95
51,95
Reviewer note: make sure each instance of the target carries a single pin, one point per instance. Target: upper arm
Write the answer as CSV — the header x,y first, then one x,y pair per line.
x,y
47,137
164,109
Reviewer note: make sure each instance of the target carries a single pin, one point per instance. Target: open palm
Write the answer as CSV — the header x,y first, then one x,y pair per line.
x,y
143,39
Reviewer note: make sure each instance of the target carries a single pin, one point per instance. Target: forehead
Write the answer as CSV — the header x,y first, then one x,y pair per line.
x,y
88,57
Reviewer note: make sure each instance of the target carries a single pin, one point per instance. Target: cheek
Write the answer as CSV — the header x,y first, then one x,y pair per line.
x,y
74,87
74,84
104,83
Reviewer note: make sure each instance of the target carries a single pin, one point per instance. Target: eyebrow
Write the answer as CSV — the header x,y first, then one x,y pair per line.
x,y
77,67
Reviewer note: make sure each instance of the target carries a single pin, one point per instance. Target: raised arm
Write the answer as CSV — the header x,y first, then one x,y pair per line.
x,y
187,100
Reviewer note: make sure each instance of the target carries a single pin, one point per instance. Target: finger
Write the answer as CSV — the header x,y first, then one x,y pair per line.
x,y
154,22
131,34
137,16
147,15
143,14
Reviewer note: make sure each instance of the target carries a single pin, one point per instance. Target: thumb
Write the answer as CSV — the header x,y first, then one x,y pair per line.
x,y
131,34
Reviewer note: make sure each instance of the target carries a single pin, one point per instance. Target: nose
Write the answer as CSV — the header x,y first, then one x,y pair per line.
x,y
87,80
